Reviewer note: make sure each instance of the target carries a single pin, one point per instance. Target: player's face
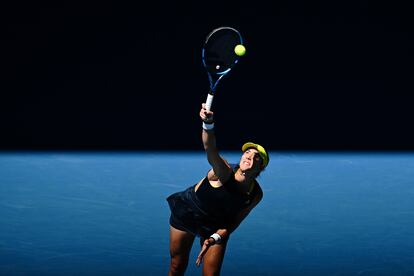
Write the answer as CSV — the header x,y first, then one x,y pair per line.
x,y
250,160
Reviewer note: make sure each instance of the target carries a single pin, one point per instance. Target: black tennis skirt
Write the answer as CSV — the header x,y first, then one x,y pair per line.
x,y
187,215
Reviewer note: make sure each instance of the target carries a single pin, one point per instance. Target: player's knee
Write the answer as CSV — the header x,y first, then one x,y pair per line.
x,y
178,264
211,270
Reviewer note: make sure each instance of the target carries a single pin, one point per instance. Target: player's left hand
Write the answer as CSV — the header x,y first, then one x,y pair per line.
x,y
206,245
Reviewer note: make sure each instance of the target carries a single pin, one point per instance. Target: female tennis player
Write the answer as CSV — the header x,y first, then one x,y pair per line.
x,y
214,207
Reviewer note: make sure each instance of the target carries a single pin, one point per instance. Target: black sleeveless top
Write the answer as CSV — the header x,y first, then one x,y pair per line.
x,y
224,201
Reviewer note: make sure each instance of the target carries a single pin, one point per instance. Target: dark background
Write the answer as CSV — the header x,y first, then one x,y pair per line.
x,y
106,75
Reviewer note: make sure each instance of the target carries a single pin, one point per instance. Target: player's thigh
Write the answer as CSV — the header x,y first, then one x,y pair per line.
x,y
213,259
180,243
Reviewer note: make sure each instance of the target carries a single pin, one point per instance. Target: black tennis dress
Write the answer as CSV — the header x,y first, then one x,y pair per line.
x,y
203,212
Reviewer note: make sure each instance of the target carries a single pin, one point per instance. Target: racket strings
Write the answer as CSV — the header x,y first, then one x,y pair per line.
x,y
219,50
218,53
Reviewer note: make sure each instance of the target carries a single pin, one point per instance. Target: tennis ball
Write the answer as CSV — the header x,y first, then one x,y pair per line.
x,y
240,50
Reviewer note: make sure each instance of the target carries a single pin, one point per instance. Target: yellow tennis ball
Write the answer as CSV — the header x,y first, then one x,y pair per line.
x,y
240,50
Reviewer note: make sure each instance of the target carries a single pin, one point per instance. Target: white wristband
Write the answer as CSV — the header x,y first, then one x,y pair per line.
x,y
208,126
216,237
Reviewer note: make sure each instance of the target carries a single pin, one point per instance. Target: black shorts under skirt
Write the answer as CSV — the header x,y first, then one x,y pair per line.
x,y
186,214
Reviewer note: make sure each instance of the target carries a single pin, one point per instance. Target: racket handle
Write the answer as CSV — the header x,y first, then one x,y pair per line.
x,y
209,101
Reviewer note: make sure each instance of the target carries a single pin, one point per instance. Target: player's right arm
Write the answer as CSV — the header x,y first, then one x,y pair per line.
x,y
221,168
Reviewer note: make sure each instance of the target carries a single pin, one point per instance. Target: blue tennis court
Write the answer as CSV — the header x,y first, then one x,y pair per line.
x,y
105,213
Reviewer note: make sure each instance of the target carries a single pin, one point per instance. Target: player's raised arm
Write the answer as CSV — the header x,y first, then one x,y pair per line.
x,y
220,167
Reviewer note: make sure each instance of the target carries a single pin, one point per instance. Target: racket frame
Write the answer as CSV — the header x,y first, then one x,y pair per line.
x,y
215,78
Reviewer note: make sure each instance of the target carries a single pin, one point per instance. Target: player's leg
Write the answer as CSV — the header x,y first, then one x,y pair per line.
x,y
180,247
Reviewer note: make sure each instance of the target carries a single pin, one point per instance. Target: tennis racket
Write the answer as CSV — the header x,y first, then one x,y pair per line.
x,y
219,57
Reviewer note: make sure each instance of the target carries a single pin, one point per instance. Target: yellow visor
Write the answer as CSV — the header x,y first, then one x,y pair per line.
x,y
262,152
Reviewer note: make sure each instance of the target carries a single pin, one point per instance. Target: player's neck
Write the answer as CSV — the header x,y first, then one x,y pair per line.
x,y
244,176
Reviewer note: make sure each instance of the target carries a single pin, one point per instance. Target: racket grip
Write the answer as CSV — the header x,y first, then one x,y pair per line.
x,y
209,101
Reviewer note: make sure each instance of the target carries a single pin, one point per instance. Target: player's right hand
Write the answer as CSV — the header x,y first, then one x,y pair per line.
x,y
206,116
